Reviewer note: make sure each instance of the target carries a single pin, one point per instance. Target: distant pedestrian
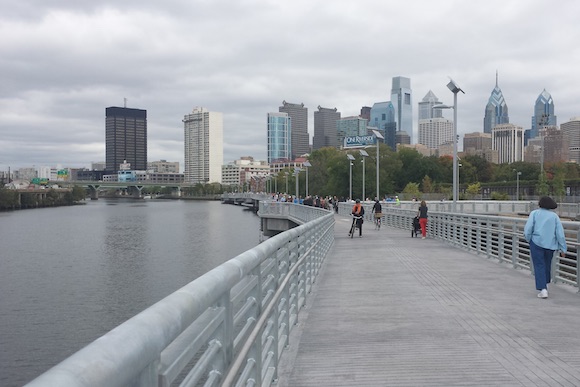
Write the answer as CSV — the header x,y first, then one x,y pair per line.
x,y
545,233
422,215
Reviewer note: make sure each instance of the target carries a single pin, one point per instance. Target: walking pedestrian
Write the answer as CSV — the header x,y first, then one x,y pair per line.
x,y
545,233
422,214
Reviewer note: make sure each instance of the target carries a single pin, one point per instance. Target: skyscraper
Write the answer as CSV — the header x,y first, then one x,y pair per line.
x,y
571,130
351,126
204,149
325,129
434,130
299,116
382,117
543,113
365,112
401,98
508,141
496,110
125,138
279,137
426,110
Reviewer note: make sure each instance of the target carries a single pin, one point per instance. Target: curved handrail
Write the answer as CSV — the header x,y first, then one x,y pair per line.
x,y
195,333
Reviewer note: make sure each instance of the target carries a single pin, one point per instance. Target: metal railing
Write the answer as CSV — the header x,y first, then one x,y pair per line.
x,y
498,237
495,207
229,326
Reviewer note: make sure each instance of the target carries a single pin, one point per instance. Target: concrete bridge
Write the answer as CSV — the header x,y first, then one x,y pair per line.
x,y
311,307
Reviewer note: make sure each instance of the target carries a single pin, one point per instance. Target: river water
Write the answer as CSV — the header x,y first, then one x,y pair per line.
x,y
68,275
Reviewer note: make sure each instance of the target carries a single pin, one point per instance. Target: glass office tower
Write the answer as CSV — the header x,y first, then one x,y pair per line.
x,y
279,137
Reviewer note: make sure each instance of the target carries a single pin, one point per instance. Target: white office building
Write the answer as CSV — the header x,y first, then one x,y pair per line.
x,y
434,132
204,152
508,141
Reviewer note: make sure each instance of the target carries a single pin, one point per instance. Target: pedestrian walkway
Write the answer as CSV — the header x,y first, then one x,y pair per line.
x,y
391,310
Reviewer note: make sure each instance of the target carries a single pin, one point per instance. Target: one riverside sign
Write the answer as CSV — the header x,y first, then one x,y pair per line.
x,y
359,141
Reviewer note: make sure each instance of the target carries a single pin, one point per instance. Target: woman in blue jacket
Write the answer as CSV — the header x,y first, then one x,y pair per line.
x,y
545,233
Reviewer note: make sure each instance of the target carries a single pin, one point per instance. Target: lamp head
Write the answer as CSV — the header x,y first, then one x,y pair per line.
x,y
454,87
378,134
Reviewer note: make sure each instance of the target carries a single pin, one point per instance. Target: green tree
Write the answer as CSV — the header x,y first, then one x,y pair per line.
x,y
558,185
8,199
411,190
542,187
427,184
481,169
78,193
474,189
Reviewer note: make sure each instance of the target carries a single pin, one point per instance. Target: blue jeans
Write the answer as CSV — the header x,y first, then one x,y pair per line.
x,y
542,260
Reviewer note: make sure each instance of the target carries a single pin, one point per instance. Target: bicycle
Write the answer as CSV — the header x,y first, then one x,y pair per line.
x,y
378,217
354,226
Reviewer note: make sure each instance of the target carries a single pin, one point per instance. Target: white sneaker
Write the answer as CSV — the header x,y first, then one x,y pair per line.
x,y
543,293
423,238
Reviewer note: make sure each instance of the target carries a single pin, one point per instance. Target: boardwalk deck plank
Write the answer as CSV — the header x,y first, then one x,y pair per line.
x,y
391,310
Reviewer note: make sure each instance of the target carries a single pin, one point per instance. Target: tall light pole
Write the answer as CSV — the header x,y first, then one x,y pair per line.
x,y
296,175
518,173
455,89
459,165
306,165
286,173
350,160
378,136
275,183
364,154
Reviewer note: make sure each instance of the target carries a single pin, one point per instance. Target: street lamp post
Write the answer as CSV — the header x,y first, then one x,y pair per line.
x,y
455,89
286,173
364,154
275,183
459,165
378,136
296,176
306,165
350,159
518,173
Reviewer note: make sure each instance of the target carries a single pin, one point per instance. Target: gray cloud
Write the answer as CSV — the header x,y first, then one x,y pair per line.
x,y
63,62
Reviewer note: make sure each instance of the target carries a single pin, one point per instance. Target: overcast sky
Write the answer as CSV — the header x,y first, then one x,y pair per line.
x,y
63,62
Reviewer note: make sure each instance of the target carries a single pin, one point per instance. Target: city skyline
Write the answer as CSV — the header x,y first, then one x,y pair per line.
x,y
60,67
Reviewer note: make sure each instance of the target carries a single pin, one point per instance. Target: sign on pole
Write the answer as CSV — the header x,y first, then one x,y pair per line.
x,y
359,141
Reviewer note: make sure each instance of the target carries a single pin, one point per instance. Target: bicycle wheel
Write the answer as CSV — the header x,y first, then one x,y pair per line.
x,y
352,228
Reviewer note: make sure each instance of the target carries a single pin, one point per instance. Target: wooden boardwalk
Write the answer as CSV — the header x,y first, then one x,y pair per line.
x,y
391,310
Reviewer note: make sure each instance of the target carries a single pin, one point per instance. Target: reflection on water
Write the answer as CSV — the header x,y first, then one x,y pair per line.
x,y
70,274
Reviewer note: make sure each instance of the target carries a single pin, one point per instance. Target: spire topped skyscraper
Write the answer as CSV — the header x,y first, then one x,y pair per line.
x,y
496,111
543,113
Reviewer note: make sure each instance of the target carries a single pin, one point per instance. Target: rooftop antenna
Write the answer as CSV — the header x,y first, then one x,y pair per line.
x,y
124,102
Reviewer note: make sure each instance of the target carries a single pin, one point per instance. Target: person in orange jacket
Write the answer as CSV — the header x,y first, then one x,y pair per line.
x,y
357,213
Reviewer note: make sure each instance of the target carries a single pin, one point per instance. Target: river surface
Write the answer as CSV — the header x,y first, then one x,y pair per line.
x,y
68,275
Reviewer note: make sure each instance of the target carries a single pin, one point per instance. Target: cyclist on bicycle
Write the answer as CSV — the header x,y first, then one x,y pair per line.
x,y
378,211
357,217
